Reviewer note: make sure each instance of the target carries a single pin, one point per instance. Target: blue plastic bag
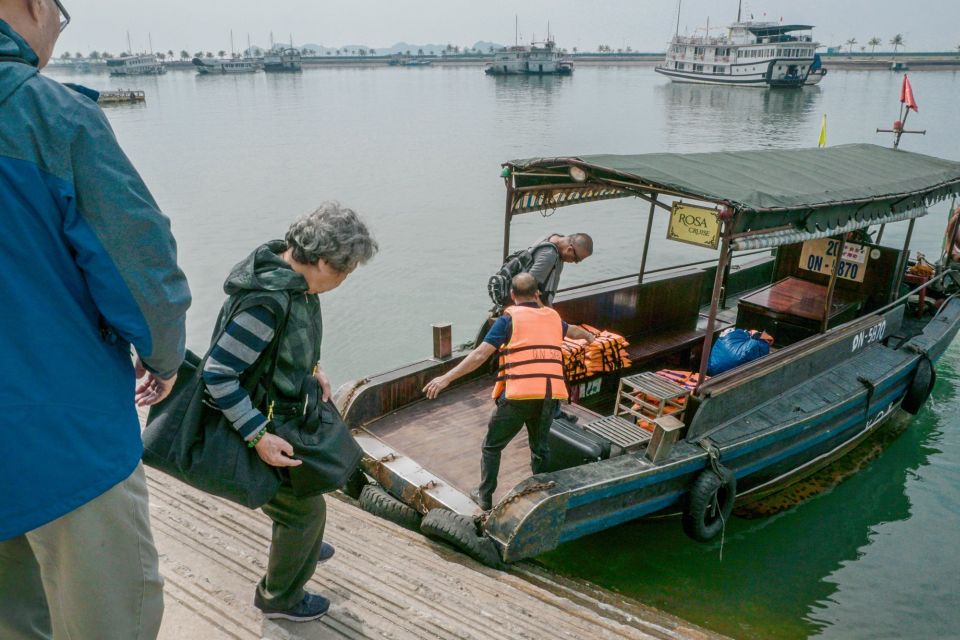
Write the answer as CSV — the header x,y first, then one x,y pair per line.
x,y
733,348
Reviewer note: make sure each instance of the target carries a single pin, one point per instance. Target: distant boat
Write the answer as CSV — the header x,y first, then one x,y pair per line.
x,y
143,65
544,59
409,61
283,60
752,54
206,66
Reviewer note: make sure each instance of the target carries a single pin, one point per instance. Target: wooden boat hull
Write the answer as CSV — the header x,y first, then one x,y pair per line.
x,y
549,509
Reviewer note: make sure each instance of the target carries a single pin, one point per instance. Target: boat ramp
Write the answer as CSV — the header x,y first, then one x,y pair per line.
x,y
384,581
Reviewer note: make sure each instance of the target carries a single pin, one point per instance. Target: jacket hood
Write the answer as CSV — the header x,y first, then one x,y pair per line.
x,y
264,270
18,62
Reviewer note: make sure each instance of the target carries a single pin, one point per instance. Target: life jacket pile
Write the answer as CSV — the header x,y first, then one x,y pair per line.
x,y
607,353
686,379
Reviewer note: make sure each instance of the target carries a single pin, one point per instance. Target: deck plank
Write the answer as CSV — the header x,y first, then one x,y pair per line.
x,y
446,435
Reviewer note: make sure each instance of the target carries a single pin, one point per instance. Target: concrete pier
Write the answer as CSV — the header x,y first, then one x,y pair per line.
x,y
384,582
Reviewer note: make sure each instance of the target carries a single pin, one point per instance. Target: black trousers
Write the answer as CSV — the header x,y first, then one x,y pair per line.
x,y
505,423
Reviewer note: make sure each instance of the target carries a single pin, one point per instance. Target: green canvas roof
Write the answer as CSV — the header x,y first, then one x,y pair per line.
x,y
808,188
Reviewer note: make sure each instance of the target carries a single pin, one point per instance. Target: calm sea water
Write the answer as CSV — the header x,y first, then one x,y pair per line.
x,y
233,160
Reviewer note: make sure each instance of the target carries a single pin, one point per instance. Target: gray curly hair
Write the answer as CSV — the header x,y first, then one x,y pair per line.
x,y
334,234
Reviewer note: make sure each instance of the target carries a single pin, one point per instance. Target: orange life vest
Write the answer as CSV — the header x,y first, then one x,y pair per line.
x,y
532,357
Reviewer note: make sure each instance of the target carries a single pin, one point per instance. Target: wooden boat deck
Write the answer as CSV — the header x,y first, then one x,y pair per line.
x,y
445,436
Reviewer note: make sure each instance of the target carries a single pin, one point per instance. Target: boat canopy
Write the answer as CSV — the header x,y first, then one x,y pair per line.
x,y
808,190
767,30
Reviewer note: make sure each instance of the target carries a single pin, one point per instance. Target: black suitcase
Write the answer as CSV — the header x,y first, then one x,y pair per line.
x,y
571,446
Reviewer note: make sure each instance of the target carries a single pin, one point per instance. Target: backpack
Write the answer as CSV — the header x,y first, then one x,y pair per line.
x,y
498,286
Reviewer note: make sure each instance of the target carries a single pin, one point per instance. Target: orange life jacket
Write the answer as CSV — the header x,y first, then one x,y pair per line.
x,y
533,356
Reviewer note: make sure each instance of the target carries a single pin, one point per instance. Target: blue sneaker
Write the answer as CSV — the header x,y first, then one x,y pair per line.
x,y
326,552
312,606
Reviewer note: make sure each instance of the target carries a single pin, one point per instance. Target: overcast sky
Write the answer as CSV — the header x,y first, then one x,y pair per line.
x,y
645,25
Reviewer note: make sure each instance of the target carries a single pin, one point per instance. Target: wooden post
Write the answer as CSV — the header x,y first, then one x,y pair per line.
x,y
828,303
507,217
646,239
442,341
715,301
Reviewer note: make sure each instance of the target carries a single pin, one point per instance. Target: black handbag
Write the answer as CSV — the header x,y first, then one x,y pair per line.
x,y
322,440
189,438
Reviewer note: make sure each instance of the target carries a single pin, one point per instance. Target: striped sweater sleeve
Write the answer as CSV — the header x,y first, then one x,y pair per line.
x,y
245,338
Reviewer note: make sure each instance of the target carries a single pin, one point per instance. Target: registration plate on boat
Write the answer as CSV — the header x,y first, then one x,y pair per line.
x,y
868,336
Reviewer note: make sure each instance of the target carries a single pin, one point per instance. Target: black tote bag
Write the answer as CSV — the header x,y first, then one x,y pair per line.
x,y
188,438
322,440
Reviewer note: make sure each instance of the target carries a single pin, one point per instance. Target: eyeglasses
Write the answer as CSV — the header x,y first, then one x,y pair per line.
x,y
64,16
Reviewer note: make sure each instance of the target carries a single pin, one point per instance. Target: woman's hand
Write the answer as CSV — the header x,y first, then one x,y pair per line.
x,y
276,451
324,383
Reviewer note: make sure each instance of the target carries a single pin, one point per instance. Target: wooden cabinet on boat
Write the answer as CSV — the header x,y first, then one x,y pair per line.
x,y
792,309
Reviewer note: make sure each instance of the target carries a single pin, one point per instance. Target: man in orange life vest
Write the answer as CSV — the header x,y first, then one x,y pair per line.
x,y
529,380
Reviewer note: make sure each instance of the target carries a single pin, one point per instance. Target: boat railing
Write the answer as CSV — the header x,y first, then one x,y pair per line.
x,y
660,270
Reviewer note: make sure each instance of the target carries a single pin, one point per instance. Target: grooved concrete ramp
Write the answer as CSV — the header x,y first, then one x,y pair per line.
x,y
384,582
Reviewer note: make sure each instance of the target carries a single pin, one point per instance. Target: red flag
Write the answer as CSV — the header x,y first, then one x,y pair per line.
x,y
906,94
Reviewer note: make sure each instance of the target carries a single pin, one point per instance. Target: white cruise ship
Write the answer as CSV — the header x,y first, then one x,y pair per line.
x,y
753,54
536,59
142,65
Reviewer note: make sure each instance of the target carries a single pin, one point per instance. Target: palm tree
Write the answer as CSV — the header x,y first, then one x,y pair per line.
x,y
209,54
574,50
66,55
170,53
106,55
419,52
94,55
221,53
873,42
850,43
372,52
184,54
896,41
78,55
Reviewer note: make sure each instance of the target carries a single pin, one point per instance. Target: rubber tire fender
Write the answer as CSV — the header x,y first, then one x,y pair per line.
x,y
374,499
698,520
461,532
920,386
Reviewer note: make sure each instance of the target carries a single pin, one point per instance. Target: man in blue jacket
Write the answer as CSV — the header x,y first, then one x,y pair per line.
x,y
87,269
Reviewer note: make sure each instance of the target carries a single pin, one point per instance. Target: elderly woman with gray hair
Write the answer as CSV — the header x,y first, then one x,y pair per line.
x,y
320,250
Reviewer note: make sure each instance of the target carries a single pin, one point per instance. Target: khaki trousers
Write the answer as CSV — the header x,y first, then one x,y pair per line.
x,y
91,574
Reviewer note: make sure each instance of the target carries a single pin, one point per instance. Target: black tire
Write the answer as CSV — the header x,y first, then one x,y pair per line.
x,y
920,386
375,500
355,484
702,521
461,532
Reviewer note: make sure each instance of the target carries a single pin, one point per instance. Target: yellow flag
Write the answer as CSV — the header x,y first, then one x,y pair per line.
x,y
823,132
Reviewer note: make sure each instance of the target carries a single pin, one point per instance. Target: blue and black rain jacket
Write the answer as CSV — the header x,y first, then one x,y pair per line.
x,y
88,268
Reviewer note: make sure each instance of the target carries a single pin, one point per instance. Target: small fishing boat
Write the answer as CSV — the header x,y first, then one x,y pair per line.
x,y
208,66
142,65
400,60
857,330
283,60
